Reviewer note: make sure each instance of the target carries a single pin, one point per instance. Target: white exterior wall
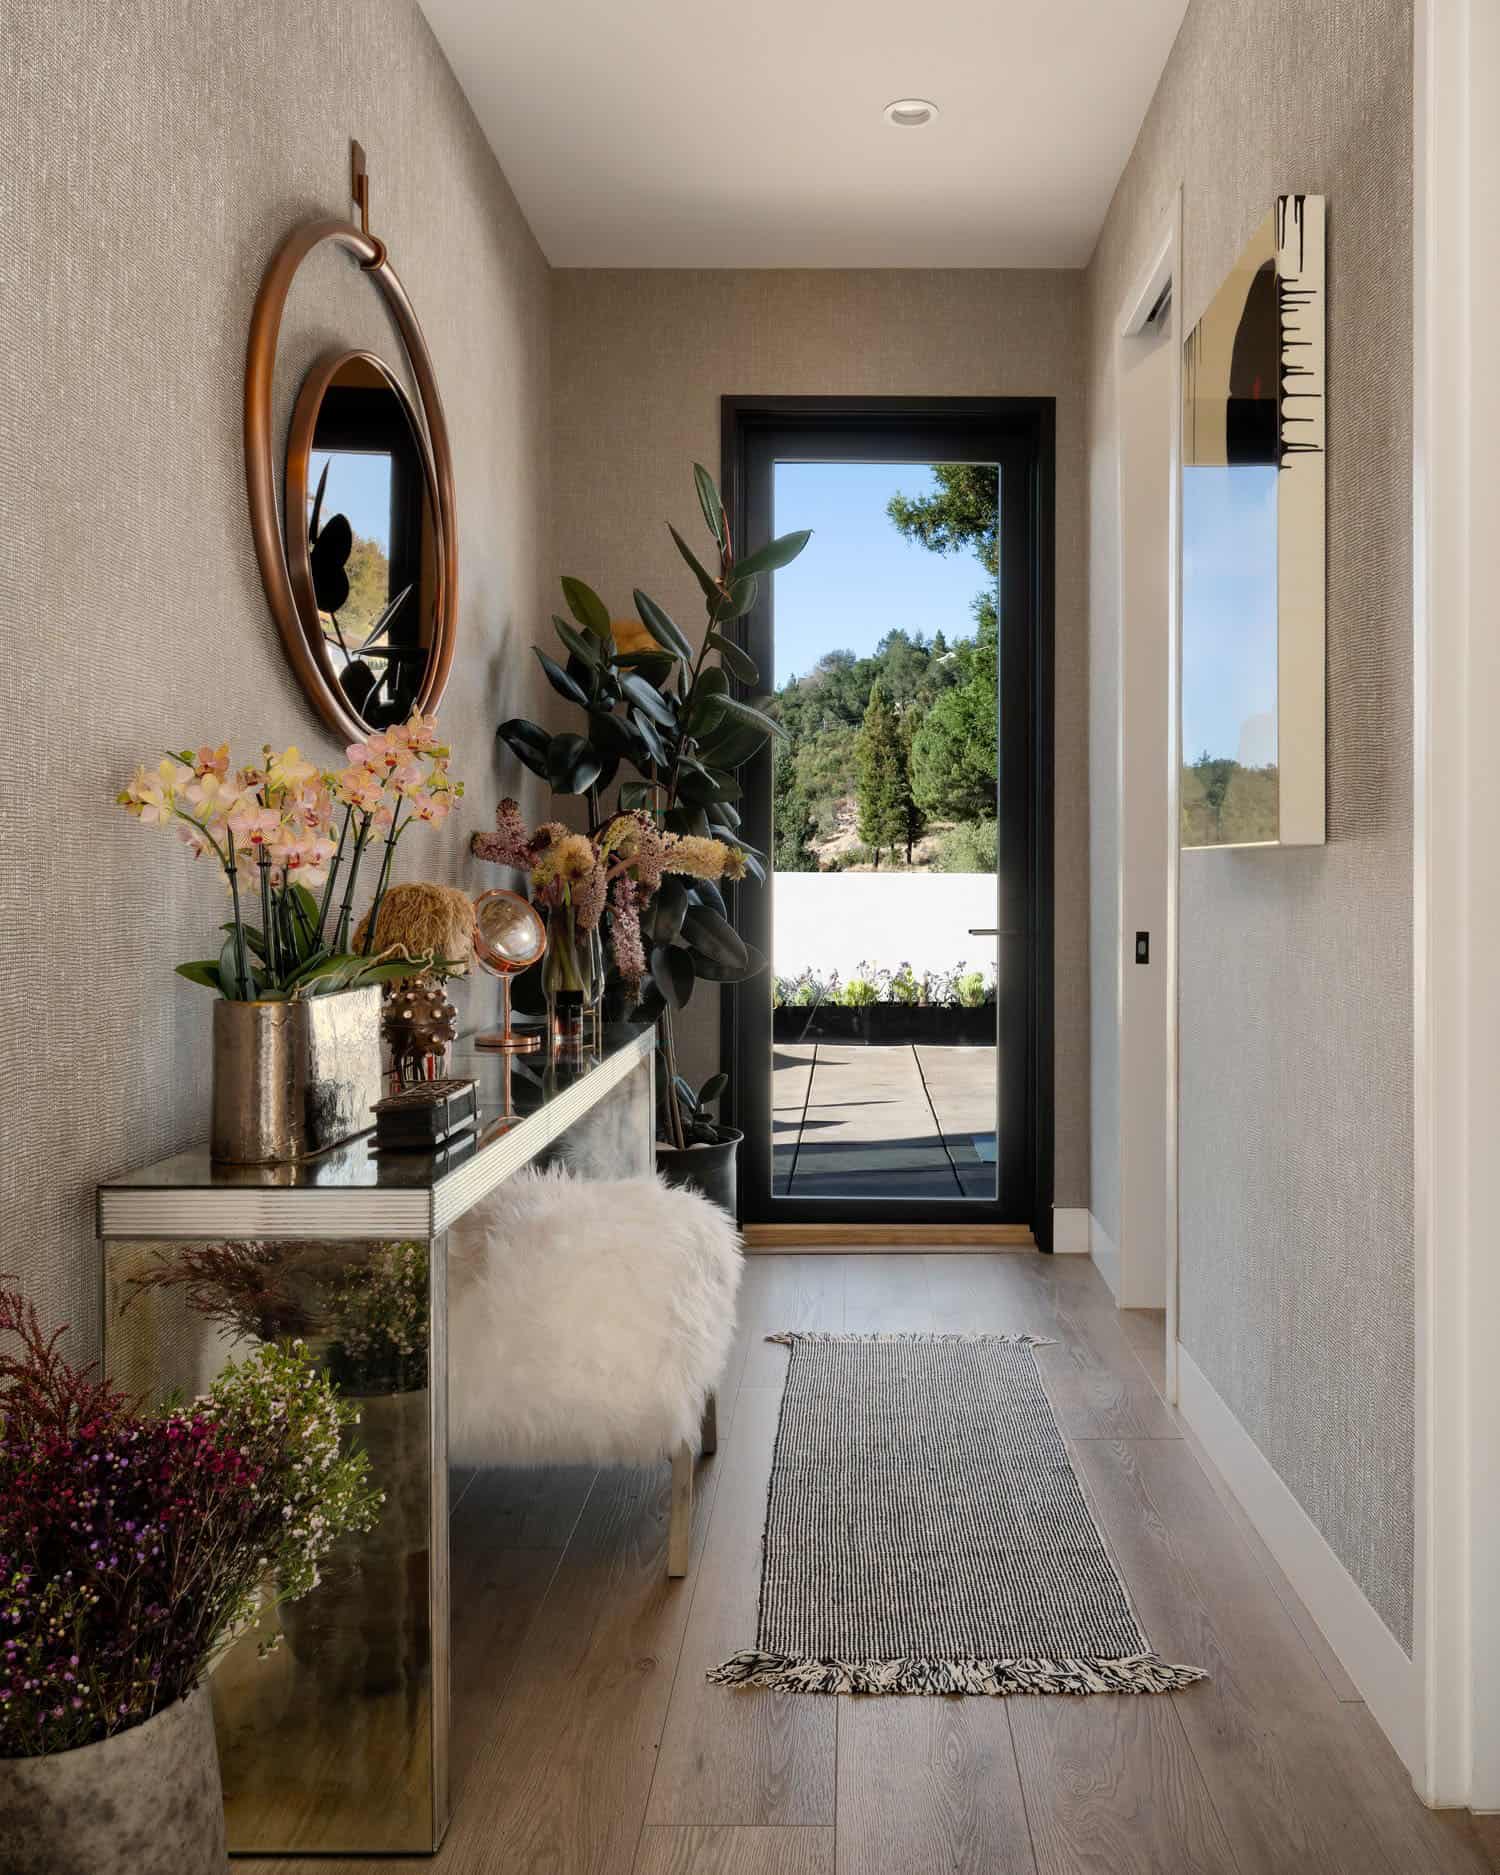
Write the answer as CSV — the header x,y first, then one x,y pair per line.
x,y
826,922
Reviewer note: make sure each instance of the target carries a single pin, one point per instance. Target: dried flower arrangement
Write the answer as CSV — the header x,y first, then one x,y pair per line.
x,y
253,1290
366,1306
622,866
134,1548
271,828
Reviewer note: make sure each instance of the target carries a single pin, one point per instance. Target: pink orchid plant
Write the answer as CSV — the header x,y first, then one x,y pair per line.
x,y
271,827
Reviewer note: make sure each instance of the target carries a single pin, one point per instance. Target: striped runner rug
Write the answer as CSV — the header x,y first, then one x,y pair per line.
x,y
926,1532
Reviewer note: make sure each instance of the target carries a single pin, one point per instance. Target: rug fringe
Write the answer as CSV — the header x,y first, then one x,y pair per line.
x,y
789,1336
1139,1673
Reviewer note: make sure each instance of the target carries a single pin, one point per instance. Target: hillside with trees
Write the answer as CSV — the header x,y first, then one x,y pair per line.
x,y
1225,803
890,759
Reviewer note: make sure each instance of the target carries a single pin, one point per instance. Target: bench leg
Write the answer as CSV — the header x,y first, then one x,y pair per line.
x,y
708,1440
680,1523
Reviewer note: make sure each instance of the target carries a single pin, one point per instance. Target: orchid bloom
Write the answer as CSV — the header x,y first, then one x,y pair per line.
x,y
408,778
253,825
151,794
288,770
303,855
381,752
211,796
210,761
196,839
358,787
421,734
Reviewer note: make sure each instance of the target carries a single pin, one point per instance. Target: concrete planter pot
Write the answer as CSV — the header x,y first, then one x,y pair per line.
x,y
145,1802
888,1024
711,1171
292,1079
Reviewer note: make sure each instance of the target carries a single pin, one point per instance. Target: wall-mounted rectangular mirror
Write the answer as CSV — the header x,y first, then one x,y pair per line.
x,y
1253,545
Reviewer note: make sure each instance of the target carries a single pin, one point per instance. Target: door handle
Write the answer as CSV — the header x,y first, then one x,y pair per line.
x,y
989,930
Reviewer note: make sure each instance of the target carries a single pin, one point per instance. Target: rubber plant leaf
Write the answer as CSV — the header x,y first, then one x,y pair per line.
x,y
587,607
709,502
775,553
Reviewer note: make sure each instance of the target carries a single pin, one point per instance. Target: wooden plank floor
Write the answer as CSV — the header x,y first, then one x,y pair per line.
x,y
587,1741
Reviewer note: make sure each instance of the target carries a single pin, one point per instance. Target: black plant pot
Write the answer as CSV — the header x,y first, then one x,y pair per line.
x,y
708,1170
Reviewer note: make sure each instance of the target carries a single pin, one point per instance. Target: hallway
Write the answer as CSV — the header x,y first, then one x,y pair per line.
x,y
586,1738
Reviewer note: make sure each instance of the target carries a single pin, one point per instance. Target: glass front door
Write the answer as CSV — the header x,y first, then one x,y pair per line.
x,y
885,1066
885,813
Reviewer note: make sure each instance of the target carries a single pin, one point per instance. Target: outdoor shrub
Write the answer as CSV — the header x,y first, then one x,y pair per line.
x,y
968,847
904,987
957,988
859,993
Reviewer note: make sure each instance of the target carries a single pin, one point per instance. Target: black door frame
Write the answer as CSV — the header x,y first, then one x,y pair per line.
x,y
1027,425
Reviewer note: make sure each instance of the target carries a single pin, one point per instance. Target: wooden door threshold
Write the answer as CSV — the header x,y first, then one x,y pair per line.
x,y
887,1236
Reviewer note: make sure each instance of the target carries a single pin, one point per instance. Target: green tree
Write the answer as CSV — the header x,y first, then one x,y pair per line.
x,y
1225,804
915,817
793,819
369,574
884,787
961,516
955,746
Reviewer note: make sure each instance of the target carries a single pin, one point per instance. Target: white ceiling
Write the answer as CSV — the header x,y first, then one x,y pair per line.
x,y
696,133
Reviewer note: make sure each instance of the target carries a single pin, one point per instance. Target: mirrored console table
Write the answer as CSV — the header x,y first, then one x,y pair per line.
x,y
336,1740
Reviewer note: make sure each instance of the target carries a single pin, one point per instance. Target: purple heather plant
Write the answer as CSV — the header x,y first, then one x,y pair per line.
x,y
135,1547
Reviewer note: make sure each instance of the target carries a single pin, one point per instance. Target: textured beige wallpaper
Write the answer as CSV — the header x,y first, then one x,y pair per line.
x,y
1296,1014
640,361
152,153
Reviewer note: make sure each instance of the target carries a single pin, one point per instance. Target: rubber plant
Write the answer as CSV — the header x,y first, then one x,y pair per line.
x,y
667,724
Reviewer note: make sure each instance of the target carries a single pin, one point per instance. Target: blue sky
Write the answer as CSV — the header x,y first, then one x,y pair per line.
x,y
858,578
1229,613
359,486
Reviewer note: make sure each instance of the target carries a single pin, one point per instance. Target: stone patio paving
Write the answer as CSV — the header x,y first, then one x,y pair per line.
x,y
886,1122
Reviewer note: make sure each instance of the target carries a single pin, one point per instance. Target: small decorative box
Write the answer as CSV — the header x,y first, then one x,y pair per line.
x,y
425,1116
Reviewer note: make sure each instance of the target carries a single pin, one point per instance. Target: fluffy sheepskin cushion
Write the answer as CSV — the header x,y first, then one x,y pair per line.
x,y
587,1320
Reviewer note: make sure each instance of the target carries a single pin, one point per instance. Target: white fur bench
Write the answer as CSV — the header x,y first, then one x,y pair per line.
x,y
589,1322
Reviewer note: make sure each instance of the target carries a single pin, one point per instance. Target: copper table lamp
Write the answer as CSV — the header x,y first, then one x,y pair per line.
x,y
508,936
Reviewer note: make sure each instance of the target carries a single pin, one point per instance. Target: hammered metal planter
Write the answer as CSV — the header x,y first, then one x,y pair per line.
x,y
145,1802
292,1079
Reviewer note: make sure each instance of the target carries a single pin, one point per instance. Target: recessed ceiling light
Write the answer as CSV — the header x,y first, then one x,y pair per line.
x,y
910,113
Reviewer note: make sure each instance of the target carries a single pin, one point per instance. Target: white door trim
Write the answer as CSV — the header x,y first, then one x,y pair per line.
x,y
1456,985
1162,269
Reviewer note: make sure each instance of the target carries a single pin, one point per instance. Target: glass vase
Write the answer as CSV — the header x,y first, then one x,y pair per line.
x,y
571,978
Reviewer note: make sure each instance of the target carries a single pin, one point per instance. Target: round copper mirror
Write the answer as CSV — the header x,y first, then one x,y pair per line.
x,y
509,936
385,649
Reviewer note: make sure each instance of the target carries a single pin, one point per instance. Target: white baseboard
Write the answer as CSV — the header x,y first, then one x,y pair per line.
x,y
1106,1254
1388,1680
1070,1232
